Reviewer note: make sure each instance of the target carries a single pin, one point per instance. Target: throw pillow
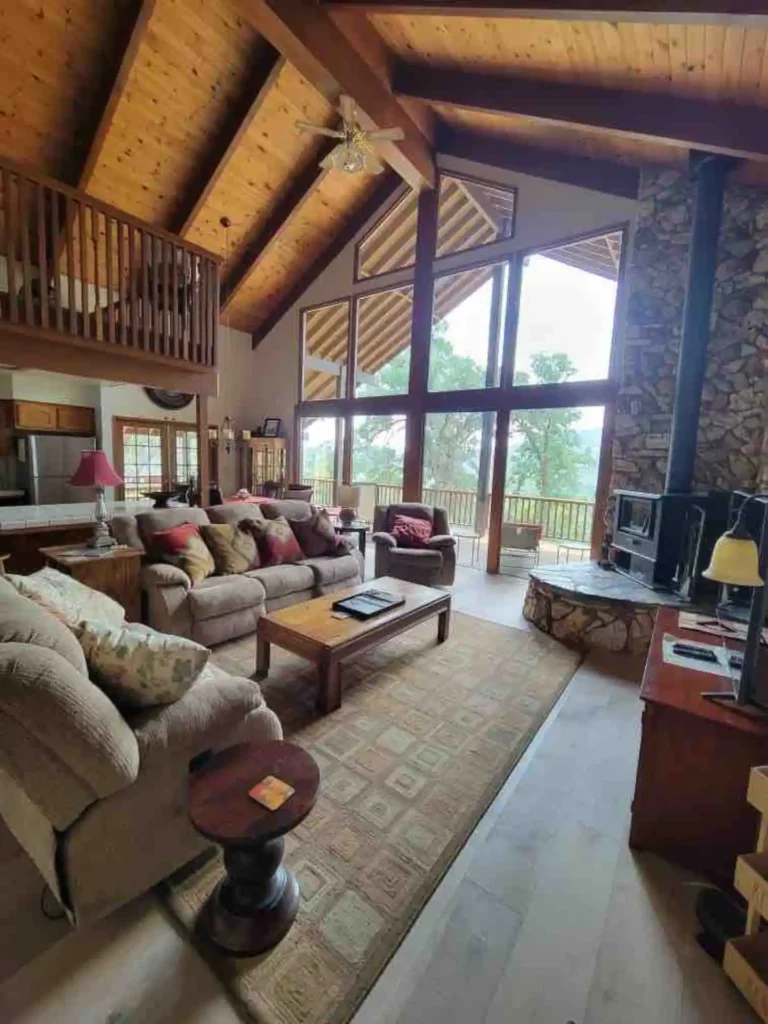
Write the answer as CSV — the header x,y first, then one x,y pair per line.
x,y
276,540
183,546
317,537
234,549
67,598
410,532
139,669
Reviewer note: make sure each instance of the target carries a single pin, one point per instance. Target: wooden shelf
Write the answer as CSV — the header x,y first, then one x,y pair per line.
x,y
746,964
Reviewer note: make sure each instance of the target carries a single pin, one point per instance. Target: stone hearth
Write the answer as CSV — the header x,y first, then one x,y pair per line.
x,y
585,606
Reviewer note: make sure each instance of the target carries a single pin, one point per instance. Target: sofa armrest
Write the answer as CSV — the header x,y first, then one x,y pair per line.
x,y
441,540
161,574
386,540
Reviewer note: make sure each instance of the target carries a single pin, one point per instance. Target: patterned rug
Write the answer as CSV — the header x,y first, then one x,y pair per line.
x,y
424,740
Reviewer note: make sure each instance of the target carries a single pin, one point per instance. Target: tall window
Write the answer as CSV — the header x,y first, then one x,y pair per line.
x,y
472,213
326,343
321,449
383,332
391,242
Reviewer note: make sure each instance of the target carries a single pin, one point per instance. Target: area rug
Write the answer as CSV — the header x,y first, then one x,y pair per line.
x,y
424,739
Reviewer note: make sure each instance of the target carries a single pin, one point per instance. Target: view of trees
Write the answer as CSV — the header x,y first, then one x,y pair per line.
x,y
548,454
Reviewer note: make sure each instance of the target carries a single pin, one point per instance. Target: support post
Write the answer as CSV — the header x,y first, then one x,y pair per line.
x,y
710,172
491,379
203,450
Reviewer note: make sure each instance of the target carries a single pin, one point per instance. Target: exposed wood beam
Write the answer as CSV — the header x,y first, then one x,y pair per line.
x,y
277,219
600,175
316,46
726,128
745,12
137,21
369,209
265,70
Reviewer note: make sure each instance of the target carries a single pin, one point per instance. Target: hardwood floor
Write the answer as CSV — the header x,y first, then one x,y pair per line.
x,y
545,917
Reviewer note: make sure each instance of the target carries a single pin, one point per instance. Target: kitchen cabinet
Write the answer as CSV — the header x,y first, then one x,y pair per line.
x,y
49,416
75,419
34,416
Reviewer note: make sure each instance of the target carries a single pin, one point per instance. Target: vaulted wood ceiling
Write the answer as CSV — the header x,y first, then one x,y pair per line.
x,y
182,112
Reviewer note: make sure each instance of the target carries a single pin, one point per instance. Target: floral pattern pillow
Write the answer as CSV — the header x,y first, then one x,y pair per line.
x,y
183,546
139,669
233,547
276,540
410,532
67,598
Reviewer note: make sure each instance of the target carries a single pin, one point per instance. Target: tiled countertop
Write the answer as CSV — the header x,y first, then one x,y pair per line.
x,y
21,517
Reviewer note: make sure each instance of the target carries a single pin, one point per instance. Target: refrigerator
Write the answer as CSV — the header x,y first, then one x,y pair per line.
x,y
46,464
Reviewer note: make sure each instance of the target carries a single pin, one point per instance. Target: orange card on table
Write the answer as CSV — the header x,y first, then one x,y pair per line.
x,y
271,792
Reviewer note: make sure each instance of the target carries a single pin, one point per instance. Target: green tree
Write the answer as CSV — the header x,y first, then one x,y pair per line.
x,y
550,458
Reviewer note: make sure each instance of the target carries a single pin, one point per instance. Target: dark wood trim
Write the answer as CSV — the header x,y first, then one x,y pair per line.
x,y
203,449
413,457
655,11
265,70
603,488
317,47
285,208
131,37
423,292
346,450
509,341
728,128
356,223
498,476
584,172
561,396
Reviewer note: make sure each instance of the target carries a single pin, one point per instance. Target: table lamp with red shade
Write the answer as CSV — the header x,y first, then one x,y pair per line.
x,y
95,471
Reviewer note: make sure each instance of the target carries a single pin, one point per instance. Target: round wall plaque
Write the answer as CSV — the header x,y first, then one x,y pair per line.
x,y
169,399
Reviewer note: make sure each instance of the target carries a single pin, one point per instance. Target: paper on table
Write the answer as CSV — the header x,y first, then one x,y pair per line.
x,y
714,668
710,624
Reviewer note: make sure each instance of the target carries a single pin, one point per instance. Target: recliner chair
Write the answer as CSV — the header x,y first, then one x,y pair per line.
x,y
433,565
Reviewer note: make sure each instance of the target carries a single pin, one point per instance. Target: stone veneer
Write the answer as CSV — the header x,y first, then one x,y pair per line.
x,y
733,410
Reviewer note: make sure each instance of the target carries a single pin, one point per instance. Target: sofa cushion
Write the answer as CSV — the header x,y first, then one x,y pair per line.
x,y
293,511
214,705
234,512
25,622
183,546
141,668
417,556
277,542
328,571
281,580
220,595
125,530
67,598
317,536
234,549
149,523
410,531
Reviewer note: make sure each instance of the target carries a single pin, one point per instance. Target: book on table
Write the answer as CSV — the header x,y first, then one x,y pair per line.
x,y
368,603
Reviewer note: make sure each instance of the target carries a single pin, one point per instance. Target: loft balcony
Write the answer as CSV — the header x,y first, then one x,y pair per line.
x,y
129,301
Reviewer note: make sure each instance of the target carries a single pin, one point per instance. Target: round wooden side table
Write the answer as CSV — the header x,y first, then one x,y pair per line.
x,y
254,906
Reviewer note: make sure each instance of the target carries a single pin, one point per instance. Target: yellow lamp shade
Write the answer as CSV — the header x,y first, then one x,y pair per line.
x,y
735,562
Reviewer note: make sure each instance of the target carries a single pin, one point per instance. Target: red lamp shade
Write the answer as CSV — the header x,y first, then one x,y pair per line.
x,y
95,471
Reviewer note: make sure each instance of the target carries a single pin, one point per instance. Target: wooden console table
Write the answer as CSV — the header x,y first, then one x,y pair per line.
x,y
116,572
695,759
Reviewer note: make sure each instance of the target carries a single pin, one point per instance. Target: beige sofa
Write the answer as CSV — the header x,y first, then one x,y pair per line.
x,y
225,607
96,797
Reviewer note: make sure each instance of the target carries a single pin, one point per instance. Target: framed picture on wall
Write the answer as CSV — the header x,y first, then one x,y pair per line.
x,y
271,427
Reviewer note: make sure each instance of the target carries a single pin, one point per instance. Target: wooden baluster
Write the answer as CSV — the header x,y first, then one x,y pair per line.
x,y
55,235
155,332
122,284
133,277
145,302
166,307
174,308
70,246
186,333
96,235
42,260
26,259
216,313
196,307
110,281
11,213
83,240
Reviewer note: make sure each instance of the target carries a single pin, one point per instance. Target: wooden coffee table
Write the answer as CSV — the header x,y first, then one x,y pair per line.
x,y
254,906
310,630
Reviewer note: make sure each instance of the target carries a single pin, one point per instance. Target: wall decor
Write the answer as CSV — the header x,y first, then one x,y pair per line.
x,y
271,427
173,400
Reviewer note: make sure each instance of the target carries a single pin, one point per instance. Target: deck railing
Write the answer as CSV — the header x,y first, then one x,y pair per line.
x,y
76,266
562,518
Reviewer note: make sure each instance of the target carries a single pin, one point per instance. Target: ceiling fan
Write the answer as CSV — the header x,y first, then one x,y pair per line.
x,y
356,149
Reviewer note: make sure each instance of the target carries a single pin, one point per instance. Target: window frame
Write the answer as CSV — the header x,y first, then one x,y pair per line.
x,y
474,180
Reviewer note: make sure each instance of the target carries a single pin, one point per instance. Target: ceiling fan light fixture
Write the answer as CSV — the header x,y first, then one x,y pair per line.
x,y
349,159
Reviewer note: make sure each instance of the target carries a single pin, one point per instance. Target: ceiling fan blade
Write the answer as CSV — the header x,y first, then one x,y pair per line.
x,y
347,108
316,129
382,134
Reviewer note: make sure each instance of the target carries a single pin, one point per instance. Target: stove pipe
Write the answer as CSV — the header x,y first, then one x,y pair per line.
x,y
710,171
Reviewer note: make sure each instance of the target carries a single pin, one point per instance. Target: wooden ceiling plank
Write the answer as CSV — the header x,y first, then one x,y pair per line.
x,y
138,18
584,172
313,43
734,130
657,11
265,71
354,225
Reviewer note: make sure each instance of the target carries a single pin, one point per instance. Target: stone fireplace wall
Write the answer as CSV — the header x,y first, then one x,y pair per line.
x,y
731,448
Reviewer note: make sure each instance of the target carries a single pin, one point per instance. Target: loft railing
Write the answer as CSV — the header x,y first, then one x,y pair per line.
x,y
73,265
562,518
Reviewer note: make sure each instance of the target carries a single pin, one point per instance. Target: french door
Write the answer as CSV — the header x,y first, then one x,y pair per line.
x,y
153,455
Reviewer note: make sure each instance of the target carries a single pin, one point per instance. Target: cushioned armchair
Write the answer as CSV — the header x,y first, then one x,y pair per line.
x,y
433,565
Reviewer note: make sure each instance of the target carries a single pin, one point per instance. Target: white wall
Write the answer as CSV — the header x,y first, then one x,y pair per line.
x,y
547,212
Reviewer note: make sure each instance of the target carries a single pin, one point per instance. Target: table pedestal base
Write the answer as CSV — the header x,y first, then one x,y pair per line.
x,y
253,908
